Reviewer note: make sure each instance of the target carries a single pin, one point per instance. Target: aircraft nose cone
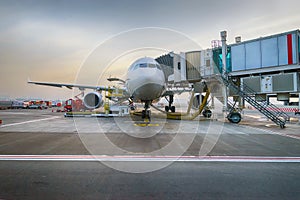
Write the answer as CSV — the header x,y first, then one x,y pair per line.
x,y
149,91
146,84
149,78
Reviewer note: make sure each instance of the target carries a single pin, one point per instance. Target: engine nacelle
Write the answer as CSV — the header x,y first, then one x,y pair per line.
x,y
93,100
196,101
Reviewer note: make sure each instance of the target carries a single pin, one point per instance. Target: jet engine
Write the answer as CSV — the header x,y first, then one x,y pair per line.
x,y
93,100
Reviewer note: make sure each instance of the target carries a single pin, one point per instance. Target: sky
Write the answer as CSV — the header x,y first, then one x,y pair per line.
x,y
56,41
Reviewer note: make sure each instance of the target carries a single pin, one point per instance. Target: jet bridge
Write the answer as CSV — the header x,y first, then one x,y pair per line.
x,y
253,70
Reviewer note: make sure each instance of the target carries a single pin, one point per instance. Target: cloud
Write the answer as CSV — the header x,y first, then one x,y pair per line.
x,y
49,40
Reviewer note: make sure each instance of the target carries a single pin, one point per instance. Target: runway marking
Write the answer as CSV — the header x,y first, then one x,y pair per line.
x,y
134,158
30,121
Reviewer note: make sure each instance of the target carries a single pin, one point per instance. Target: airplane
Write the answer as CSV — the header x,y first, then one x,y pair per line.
x,y
145,82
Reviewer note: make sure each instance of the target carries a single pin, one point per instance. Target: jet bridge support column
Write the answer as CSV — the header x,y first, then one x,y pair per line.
x,y
299,102
212,104
224,67
241,103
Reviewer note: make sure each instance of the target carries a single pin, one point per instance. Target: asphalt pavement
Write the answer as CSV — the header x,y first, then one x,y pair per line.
x,y
44,155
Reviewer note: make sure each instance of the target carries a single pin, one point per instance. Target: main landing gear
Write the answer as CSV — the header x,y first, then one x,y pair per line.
x,y
146,114
170,107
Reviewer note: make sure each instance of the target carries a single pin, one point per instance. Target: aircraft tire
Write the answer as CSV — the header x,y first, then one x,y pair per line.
x,y
148,115
167,108
143,114
173,109
234,117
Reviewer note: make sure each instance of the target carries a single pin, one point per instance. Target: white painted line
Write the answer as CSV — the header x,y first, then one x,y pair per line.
x,y
30,121
105,158
253,116
271,132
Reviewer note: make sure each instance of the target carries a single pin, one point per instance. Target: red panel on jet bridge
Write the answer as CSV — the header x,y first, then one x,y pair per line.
x,y
290,48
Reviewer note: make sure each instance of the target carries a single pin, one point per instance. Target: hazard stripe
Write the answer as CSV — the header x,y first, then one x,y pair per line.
x,y
280,109
290,48
284,109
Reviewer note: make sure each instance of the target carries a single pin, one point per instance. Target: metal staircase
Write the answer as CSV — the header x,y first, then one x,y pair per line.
x,y
268,109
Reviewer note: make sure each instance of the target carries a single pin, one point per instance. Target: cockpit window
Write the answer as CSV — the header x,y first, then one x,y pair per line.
x,y
152,65
142,65
145,65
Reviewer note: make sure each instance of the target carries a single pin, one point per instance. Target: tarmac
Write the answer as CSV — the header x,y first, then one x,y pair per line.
x,y
44,155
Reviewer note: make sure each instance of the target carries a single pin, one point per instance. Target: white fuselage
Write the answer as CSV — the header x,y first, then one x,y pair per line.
x,y
145,80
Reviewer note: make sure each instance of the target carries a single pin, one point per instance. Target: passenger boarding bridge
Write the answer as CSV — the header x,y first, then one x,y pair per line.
x,y
256,69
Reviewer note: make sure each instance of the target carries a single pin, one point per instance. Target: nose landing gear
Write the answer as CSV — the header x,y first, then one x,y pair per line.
x,y
146,114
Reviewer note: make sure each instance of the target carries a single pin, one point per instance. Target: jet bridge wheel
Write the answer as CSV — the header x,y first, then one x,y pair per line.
x,y
282,126
234,117
207,113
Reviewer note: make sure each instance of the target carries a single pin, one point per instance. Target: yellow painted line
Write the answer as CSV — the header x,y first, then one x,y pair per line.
x,y
146,124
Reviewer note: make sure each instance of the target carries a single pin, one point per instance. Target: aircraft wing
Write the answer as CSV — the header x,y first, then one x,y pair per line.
x,y
70,86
